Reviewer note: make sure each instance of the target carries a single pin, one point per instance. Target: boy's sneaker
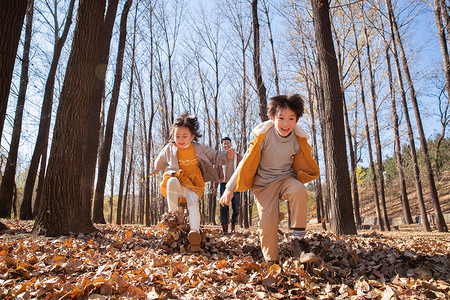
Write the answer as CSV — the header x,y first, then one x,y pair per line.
x,y
301,250
195,240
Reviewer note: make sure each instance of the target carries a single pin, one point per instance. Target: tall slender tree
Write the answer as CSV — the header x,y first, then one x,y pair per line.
x,y
260,87
352,153
317,182
272,47
367,131
62,211
41,145
109,130
12,15
412,147
395,128
149,145
376,131
440,221
440,12
125,135
342,221
11,20
92,140
7,186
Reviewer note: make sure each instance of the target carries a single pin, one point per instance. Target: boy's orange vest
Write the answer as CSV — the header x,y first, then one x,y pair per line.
x,y
304,164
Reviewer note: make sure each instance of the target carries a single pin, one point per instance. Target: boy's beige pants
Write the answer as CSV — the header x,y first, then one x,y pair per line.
x,y
267,197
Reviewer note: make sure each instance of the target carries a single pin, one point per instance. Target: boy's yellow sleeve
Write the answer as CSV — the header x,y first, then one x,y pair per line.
x,y
305,166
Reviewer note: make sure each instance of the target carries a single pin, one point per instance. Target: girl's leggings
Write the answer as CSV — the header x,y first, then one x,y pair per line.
x,y
175,191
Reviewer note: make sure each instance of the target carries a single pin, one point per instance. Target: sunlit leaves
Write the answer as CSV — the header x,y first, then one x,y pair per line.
x,y
130,262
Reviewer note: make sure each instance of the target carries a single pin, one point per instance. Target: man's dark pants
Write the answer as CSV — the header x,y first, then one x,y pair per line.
x,y
224,210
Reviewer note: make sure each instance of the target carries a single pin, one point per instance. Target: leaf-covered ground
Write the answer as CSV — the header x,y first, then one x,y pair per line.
x,y
137,262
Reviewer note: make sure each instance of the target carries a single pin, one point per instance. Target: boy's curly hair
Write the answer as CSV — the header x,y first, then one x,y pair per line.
x,y
294,102
187,120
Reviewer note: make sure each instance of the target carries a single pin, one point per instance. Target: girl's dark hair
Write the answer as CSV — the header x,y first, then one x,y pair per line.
x,y
294,102
187,120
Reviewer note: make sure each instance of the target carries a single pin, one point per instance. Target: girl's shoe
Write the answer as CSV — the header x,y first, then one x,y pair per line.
x,y
195,240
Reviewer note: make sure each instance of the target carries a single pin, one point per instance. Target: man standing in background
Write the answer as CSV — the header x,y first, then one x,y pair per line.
x,y
225,172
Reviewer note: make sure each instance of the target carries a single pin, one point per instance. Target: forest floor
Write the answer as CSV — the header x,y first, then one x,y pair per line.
x,y
138,262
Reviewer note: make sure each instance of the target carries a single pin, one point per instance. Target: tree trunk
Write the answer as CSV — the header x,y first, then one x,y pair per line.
x,y
9,175
127,205
342,221
417,180
440,10
397,145
353,165
62,212
149,146
376,132
309,75
12,14
317,183
93,133
37,201
109,129
125,139
41,145
261,88
11,20
274,58
321,110
366,127
244,131
133,201
440,221
113,171
443,42
446,15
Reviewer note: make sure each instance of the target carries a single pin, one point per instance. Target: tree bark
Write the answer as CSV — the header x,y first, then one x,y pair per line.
x,y
440,221
376,133
443,42
41,145
417,179
9,175
274,58
366,127
37,201
440,11
317,182
149,200
342,221
323,129
62,211
113,171
11,19
93,133
261,88
127,198
353,164
397,145
125,137
12,14
109,129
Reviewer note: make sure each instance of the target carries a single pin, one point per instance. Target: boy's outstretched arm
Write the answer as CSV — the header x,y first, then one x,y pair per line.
x,y
226,197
